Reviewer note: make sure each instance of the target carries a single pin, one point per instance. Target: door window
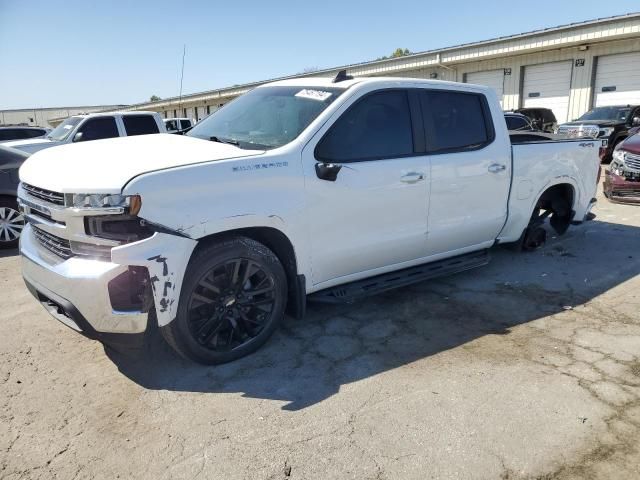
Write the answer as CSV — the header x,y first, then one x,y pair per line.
x,y
376,127
140,124
185,124
98,128
456,121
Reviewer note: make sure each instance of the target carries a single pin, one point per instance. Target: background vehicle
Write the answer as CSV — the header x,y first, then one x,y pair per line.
x,y
541,118
11,220
531,136
178,125
332,188
518,122
610,123
22,133
94,126
622,178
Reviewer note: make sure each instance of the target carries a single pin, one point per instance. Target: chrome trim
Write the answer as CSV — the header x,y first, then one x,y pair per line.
x,y
67,223
632,161
82,282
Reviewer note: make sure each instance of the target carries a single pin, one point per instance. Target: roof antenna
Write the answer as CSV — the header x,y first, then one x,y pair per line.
x,y
342,76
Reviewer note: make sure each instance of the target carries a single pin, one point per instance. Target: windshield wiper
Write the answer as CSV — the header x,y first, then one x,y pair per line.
x,y
229,141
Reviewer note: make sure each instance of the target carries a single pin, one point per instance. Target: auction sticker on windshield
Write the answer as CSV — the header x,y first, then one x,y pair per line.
x,y
313,94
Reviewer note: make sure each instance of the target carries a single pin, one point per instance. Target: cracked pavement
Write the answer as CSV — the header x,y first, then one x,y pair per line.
x,y
526,369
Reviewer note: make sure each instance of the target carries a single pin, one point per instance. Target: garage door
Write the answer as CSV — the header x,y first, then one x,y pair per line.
x,y
548,85
617,80
492,78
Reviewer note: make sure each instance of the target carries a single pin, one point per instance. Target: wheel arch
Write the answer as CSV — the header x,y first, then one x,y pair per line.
x,y
280,244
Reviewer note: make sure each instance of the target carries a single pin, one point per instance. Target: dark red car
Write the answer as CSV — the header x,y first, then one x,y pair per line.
x,y
622,178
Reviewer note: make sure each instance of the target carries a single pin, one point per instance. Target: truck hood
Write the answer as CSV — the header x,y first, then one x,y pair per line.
x,y
32,145
105,166
599,123
632,144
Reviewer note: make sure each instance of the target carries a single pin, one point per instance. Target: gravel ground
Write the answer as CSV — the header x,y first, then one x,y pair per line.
x,y
526,369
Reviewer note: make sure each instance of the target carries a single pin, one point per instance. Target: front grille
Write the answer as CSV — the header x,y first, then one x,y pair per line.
x,y
46,195
578,131
56,245
632,161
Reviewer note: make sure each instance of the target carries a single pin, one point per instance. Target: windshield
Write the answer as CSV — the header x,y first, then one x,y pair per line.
x,y
63,130
266,117
619,114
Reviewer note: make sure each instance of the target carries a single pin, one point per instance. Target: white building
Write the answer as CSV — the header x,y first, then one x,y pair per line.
x,y
569,68
40,117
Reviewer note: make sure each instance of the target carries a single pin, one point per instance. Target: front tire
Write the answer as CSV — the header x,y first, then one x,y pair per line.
x,y
232,300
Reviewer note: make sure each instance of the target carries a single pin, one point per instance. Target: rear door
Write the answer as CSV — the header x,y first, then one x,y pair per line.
x,y
373,214
140,125
470,170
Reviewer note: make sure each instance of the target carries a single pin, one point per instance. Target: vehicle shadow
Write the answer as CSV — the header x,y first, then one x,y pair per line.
x,y
9,252
309,360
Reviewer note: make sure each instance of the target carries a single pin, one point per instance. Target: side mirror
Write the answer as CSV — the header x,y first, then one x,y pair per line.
x,y
77,137
635,122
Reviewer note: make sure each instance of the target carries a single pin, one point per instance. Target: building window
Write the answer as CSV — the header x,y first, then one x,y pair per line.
x,y
175,114
184,112
208,109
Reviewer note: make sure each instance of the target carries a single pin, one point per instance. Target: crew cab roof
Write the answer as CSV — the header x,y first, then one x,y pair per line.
x,y
102,114
329,82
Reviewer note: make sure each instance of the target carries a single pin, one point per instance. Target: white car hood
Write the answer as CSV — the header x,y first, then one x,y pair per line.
x,y
32,145
105,166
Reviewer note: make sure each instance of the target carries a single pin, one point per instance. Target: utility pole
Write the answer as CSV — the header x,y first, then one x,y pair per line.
x,y
184,51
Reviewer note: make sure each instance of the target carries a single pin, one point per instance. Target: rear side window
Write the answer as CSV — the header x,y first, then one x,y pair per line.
x,y
9,134
98,128
376,127
456,121
515,123
32,133
139,124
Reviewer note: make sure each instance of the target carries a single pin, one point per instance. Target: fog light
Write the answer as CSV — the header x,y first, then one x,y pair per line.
x,y
131,291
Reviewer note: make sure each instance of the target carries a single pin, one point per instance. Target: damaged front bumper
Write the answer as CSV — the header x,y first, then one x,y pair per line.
x,y
91,295
619,189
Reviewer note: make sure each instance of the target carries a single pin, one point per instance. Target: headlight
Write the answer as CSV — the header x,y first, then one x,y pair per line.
x,y
89,200
618,156
605,131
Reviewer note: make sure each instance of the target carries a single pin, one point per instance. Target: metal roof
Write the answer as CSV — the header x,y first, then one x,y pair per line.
x,y
238,89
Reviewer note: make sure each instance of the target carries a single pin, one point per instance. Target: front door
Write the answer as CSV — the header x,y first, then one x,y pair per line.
x,y
374,213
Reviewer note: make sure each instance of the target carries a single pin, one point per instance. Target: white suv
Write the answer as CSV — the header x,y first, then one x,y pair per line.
x,y
94,126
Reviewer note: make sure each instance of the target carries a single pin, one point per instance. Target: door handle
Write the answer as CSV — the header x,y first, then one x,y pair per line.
x,y
497,168
412,177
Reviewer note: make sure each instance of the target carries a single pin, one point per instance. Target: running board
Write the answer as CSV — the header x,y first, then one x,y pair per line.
x,y
350,292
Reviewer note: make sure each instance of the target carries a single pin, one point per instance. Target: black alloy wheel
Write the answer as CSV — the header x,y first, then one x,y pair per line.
x,y
233,297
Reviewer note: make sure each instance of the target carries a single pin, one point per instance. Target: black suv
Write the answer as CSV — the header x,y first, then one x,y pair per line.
x,y
607,123
542,119
21,133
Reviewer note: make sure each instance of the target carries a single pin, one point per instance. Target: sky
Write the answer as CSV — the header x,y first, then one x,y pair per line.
x,y
84,52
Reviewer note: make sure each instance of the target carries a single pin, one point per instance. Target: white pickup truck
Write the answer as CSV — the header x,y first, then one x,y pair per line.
x,y
327,189
94,126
